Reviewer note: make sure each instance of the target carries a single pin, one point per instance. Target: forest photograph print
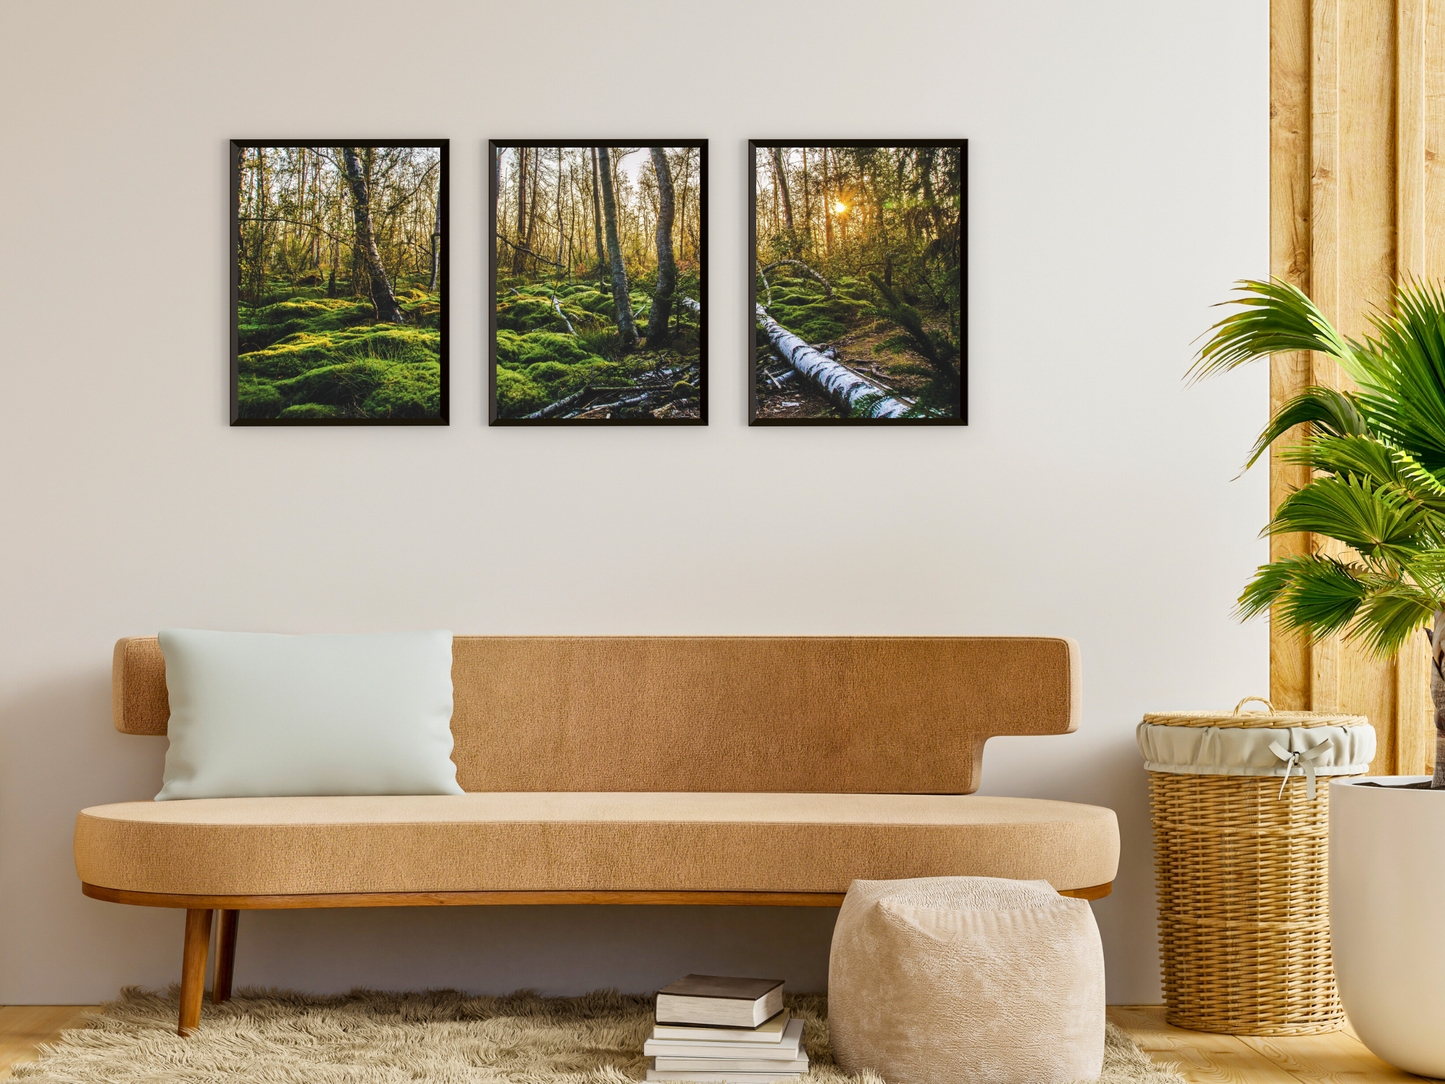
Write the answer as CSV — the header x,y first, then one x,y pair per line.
x,y
858,301
598,287
339,283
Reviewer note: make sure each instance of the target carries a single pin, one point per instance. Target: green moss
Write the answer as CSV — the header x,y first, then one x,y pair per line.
x,y
517,395
259,400
549,346
311,410
304,351
406,391
346,384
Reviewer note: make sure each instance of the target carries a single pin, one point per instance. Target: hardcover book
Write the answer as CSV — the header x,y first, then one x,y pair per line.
x,y
788,1049
719,1001
770,1031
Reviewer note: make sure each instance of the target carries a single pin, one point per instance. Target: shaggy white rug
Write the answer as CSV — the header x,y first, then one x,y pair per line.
x,y
437,1037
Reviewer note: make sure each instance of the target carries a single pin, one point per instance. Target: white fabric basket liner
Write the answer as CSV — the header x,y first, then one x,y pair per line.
x,y
1225,750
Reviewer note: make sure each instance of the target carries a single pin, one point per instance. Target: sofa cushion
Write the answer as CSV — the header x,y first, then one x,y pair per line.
x,y
255,714
587,841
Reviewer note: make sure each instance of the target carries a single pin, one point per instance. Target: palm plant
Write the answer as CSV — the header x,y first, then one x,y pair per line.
x,y
1377,457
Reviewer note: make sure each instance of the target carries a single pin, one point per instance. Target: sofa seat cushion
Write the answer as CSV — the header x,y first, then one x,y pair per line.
x,y
560,841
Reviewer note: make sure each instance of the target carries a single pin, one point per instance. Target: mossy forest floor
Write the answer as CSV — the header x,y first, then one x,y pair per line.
x,y
842,327
584,373
306,355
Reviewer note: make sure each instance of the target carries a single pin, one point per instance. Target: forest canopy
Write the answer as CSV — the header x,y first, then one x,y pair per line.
x,y
859,281
597,274
340,282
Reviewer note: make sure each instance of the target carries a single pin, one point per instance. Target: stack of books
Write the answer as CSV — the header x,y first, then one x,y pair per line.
x,y
713,1028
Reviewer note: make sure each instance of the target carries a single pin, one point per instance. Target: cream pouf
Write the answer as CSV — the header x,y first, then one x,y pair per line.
x,y
966,980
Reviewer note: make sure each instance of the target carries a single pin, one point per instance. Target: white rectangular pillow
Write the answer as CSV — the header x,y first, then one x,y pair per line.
x,y
259,714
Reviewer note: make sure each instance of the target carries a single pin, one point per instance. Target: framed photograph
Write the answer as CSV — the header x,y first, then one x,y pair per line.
x,y
858,285
598,289
339,282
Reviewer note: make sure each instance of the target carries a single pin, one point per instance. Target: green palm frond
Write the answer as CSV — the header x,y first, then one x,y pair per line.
x,y
1377,457
1311,594
1274,318
1404,392
1391,616
1349,455
1318,596
1377,521
1325,410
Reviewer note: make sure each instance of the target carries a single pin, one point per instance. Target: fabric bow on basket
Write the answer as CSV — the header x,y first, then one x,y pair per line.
x,y
1303,759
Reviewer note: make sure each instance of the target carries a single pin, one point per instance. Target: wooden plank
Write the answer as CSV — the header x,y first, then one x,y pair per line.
x,y
1332,1058
1410,205
24,1027
1289,374
1324,266
1201,1056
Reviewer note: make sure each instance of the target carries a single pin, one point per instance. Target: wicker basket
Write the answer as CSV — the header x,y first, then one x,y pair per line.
x,y
1243,883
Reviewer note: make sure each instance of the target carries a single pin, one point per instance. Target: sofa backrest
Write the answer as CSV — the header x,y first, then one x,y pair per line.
x,y
847,714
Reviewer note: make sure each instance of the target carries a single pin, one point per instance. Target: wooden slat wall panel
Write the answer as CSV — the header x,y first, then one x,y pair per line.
x,y
1291,167
1357,190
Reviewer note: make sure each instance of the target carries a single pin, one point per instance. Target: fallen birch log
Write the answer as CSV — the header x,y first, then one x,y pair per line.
x,y
840,384
562,314
690,303
554,408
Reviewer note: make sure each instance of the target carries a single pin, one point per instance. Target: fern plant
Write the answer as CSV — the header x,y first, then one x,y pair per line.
x,y
1377,457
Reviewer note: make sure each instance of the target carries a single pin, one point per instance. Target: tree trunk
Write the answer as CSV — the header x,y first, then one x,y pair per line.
x,y
436,245
1437,695
666,264
597,217
827,208
240,223
807,199
620,299
840,384
519,259
559,207
783,189
258,280
536,160
382,299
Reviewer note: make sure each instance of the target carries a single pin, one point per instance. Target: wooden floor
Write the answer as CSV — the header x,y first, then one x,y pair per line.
x,y
1336,1058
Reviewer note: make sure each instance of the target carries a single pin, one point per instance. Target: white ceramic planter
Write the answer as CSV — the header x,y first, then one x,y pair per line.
x,y
1387,918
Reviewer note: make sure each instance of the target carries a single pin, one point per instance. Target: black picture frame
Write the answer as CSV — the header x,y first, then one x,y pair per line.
x,y
755,417
495,146
441,253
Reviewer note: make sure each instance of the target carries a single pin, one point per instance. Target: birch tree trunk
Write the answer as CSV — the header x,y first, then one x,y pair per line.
x,y
382,299
597,218
666,264
840,384
519,259
559,208
783,189
436,245
623,303
1437,694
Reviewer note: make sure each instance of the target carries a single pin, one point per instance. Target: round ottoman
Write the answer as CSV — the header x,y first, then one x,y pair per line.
x,y
966,980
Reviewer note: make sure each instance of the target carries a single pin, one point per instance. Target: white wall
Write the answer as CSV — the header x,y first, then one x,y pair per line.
x,y
1119,184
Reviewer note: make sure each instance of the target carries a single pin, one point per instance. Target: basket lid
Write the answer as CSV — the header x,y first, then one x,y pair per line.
x,y
1241,718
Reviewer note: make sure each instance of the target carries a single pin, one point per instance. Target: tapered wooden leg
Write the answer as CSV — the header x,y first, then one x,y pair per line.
x,y
225,956
193,968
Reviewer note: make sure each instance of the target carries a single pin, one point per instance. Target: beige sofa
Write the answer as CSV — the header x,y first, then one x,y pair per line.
x,y
653,770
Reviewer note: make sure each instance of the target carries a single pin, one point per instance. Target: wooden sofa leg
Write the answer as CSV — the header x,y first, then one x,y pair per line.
x,y
225,956
193,968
